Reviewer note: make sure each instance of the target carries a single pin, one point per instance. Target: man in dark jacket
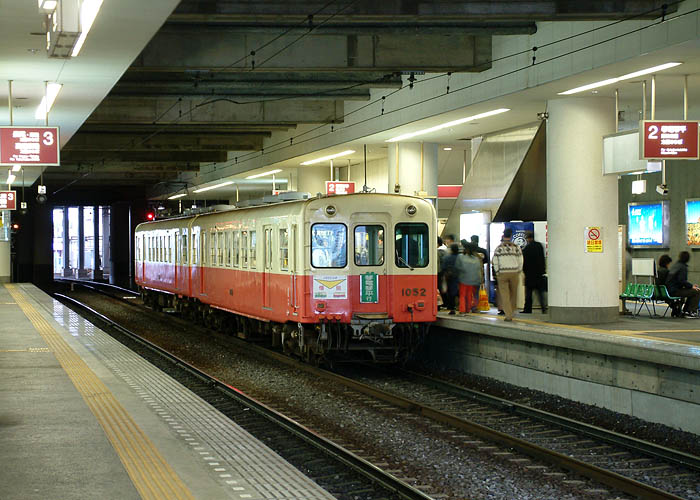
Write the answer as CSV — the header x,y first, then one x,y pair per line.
x,y
679,286
534,269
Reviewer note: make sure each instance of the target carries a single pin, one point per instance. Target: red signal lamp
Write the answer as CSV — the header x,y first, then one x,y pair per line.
x,y
150,215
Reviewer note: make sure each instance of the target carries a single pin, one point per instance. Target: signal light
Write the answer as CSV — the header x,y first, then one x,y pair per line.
x,y
150,215
15,226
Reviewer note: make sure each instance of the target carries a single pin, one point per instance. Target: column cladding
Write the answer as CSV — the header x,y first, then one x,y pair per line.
x,y
583,287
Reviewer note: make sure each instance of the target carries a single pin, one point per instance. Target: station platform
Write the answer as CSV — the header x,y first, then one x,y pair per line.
x,y
82,417
647,367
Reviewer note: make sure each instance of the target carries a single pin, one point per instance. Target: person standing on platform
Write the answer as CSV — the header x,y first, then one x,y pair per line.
x,y
468,265
679,286
441,252
507,264
534,269
484,256
450,274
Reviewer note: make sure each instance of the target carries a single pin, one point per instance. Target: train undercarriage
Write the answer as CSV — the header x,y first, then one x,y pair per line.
x,y
373,338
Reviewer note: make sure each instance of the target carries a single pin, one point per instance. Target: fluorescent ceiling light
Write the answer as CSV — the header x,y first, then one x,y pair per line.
x,y
447,125
447,149
48,5
88,13
329,157
215,186
277,170
16,168
176,196
52,90
628,76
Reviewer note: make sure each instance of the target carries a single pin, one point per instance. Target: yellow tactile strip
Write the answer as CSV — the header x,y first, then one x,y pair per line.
x,y
148,470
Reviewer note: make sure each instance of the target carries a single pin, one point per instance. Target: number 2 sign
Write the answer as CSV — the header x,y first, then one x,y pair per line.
x,y
660,140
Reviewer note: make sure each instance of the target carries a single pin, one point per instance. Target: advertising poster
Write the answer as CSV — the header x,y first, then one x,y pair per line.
x,y
646,224
692,221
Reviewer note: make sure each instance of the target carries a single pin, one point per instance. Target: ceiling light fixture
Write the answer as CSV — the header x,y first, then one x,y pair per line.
x,y
47,6
329,157
88,13
447,149
447,125
628,76
176,196
215,186
52,90
277,170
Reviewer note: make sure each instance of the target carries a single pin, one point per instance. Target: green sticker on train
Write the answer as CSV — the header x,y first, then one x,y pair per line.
x,y
369,288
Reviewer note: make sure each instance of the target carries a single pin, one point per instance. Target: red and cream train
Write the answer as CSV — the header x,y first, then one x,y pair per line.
x,y
339,277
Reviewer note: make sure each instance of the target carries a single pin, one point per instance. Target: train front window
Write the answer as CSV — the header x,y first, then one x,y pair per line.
x,y
369,245
329,245
412,245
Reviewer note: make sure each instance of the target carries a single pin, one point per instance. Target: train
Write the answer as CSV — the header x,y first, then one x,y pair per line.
x,y
329,278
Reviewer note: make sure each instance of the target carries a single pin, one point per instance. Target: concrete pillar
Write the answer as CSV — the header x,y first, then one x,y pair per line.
x,y
81,243
105,241
583,286
120,230
66,245
413,166
97,272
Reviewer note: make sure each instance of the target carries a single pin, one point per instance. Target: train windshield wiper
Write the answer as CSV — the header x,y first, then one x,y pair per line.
x,y
403,261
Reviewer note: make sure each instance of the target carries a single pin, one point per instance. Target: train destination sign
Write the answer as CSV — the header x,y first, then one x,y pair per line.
x,y
30,146
8,200
661,140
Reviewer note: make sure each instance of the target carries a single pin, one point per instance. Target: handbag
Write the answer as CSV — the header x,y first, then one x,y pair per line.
x,y
483,299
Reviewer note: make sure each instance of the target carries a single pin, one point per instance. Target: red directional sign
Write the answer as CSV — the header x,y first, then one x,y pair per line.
x,y
8,200
29,146
340,187
675,140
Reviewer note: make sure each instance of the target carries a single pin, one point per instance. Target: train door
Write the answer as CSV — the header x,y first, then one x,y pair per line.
x,y
293,242
368,261
267,265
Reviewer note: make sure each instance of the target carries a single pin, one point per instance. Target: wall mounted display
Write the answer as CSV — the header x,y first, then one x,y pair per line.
x,y
648,224
692,221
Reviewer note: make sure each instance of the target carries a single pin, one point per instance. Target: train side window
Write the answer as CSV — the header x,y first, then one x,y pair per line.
x,y
284,249
329,245
170,249
185,259
369,245
229,248
253,251
235,248
212,248
220,248
411,244
178,259
244,248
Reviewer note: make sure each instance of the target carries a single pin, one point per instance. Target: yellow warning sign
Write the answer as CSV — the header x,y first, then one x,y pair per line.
x,y
594,239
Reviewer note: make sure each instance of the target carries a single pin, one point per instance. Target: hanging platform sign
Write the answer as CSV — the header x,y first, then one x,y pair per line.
x,y
29,146
668,140
340,187
8,200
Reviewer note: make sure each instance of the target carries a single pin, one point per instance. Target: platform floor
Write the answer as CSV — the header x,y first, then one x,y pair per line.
x,y
81,417
665,329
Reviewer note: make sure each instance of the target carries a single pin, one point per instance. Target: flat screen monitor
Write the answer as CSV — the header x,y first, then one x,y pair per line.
x,y
692,222
648,224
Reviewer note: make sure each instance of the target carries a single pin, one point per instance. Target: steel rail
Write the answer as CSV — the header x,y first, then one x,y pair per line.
x,y
349,459
631,443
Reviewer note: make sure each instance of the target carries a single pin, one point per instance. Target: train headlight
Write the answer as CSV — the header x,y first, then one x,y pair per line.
x,y
411,210
330,210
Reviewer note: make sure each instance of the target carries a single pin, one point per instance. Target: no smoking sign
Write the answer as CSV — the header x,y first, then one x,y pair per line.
x,y
594,239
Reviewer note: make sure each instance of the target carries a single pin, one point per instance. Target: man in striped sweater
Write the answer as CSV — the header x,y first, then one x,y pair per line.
x,y
507,263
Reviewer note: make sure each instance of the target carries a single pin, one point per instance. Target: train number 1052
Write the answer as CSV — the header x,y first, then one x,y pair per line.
x,y
413,292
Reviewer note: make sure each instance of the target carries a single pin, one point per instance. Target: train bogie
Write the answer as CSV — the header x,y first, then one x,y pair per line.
x,y
342,276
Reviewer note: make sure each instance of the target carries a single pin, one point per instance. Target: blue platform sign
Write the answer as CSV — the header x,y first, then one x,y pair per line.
x,y
520,230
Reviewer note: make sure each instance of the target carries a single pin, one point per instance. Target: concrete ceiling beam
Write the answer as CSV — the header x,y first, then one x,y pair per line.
x,y
269,10
182,128
165,111
164,141
382,52
142,156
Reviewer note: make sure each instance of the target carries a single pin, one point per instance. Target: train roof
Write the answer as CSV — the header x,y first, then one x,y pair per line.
x,y
270,204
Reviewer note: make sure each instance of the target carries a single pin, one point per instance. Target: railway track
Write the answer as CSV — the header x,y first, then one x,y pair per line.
x,y
629,465
339,471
